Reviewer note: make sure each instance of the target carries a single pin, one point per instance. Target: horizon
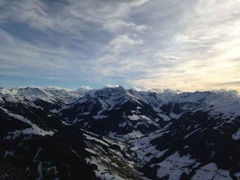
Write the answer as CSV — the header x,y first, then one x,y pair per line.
x,y
147,44
88,88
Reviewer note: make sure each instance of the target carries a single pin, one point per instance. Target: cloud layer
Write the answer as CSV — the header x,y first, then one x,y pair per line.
x,y
187,45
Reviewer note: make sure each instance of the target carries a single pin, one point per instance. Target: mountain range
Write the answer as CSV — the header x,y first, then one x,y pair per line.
x,y
118,133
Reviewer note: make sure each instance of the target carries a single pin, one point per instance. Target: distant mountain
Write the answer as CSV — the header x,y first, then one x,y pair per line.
x,y
117,133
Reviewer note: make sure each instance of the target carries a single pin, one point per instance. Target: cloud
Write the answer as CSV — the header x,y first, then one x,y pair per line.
x,y
187,45
204,42
70,16
113,26
229,83
123,42
28,11
29,60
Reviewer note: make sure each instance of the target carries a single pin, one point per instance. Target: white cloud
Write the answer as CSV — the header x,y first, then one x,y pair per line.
x,y
123,42
113,25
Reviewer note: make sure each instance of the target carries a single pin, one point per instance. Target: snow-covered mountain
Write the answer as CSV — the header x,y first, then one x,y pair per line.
x,y
112,111
119,111
49,94
117,133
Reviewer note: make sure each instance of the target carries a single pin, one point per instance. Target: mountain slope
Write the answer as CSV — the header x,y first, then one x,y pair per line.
x,y
112,111
189,144
114,133
38,144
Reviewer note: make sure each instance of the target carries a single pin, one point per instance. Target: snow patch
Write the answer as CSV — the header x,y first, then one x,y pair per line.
x,y
33,130
134,117
211,171
206,172
175,116
90,151
237,175
174,165
40,173
236,136
75,152
134,134
103,172
99,116
222,175
55,111
95,139
8,153
165,117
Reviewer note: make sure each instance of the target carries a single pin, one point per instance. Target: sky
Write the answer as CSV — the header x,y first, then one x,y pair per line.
x,y
186,45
